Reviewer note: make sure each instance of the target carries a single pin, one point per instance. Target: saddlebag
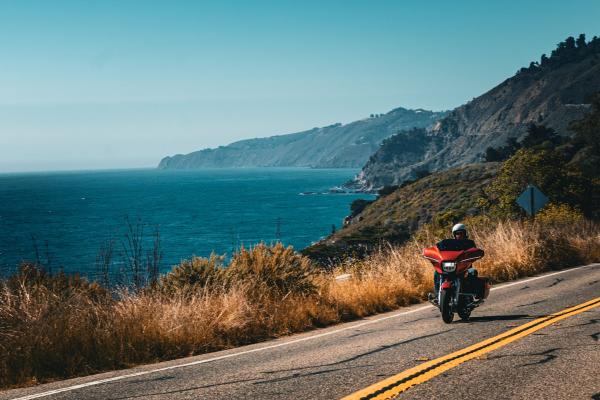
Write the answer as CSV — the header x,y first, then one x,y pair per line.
x,y
478,286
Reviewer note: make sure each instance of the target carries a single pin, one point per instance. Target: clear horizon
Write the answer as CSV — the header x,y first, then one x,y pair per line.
x,y
114,85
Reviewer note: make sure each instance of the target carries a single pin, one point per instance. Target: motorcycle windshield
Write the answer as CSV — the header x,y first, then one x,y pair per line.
x,y
455,244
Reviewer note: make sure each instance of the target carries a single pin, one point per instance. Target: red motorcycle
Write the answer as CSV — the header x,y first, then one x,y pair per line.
x,y
460,289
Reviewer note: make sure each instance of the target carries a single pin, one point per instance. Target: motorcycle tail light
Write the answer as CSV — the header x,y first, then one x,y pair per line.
x,y
449,266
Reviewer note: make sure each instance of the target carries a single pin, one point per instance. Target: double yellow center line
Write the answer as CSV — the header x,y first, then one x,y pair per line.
x,y
393,386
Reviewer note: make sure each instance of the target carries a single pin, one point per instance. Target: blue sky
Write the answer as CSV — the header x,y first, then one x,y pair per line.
x,y
116,84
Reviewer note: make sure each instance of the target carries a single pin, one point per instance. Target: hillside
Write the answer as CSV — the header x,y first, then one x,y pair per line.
x,y
393,218
565,168
551,93
335,146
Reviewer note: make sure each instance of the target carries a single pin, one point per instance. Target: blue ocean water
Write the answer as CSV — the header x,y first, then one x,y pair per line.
x,y
63,218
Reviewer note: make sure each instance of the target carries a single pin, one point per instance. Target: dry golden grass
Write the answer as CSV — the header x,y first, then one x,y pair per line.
x,y
54,327
516,249
390,278
510,251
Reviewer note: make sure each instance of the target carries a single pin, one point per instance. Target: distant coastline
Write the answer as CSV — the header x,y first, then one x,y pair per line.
x,y
334,146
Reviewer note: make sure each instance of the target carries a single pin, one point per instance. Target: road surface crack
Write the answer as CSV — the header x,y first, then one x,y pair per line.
x,y
556,282
356,357
532,304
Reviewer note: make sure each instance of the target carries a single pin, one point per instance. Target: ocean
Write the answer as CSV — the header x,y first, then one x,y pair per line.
x,y
63,219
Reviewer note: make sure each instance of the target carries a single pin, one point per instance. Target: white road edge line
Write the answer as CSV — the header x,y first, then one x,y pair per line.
x,y
273,346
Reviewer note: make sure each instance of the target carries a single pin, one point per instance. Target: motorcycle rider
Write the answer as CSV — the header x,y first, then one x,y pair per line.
x,y
459,232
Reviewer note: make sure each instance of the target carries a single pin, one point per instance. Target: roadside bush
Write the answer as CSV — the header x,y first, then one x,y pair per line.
x,y
191,275
559,214
33,277
45,326
277,267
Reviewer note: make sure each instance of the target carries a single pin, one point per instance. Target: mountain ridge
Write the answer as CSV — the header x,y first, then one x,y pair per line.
x,y
334,146
552,92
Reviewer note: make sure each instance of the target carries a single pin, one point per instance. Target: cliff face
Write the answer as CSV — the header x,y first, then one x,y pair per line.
x,y
553,94
335,146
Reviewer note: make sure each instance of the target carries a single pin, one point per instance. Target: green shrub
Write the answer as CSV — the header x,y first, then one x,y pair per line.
x,y
278,268
193,274
559,214
358,206
387,190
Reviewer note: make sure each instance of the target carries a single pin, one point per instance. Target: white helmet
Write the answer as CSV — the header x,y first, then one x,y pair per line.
x,y
458,228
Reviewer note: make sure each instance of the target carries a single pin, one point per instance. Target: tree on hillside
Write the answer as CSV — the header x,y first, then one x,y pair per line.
x,y
492,154
581,43
504,152
387,190
570,43
544,168
569,50
358,206
538,134
421,173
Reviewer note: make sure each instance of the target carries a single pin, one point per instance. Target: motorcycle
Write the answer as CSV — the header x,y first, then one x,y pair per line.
x,y
461,290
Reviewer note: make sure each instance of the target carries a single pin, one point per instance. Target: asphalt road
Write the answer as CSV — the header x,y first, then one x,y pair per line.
x,y
556,362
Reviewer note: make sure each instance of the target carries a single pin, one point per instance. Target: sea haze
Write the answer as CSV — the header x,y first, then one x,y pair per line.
x,y
63,218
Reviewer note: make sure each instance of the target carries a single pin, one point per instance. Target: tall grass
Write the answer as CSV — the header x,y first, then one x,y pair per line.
x,y
58,326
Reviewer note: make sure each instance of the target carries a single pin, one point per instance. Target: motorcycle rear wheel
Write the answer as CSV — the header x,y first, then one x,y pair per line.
x,y
445,306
